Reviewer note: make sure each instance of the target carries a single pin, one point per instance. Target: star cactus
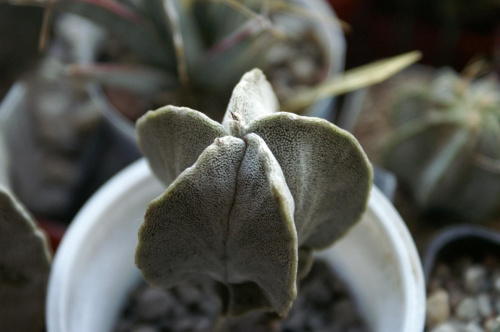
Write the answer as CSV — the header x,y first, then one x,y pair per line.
x,y
248,197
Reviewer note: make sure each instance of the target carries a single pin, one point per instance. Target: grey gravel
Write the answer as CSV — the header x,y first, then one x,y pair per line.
x,y
322,305
473,301
457,324
467,309
444,327
473,327
492,324
153,304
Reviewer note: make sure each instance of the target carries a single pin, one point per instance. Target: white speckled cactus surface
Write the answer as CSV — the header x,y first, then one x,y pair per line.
x,y
247,197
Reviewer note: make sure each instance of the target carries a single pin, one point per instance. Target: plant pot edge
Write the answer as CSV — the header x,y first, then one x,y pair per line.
x,y
83,231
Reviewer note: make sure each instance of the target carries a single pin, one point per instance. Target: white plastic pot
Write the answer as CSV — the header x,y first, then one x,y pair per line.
x,y
329,34
94,266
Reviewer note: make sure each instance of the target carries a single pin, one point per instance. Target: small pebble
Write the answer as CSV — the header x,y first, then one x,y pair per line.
x,y
473,327
456,293
207,307
303,68
474,278
438,308
144,328
492,324
444,327
495,327
496,282
279,54
484,305
467,310
153,304
184,324
203,324
188,295
457,324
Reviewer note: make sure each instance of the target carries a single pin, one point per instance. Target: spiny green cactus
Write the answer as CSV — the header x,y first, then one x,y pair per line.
x,y
247,198
24,268
446,145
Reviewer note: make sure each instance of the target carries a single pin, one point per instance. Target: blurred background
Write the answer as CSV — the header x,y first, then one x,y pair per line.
x,y
443,172
449,33
64,149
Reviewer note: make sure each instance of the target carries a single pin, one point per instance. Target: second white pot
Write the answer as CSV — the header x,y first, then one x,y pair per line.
x,y
94,266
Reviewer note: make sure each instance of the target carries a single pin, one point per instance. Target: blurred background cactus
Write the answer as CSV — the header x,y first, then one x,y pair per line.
x,y
193,52
446,143
284,37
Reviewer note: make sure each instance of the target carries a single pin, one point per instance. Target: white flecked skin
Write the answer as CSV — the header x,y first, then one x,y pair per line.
x,y
245,198
24,268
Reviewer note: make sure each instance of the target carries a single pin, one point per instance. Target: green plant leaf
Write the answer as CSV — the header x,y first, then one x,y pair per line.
x,y
223,66
230,16
24,268
186,38
154,10
447,157
132,30
420,125
351,80
144,80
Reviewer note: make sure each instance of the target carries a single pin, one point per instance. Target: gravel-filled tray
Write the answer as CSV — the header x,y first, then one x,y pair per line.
x,y
323,304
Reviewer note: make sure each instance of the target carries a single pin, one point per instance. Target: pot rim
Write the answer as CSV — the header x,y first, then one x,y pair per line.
x,y
454,233
414,283
87,224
